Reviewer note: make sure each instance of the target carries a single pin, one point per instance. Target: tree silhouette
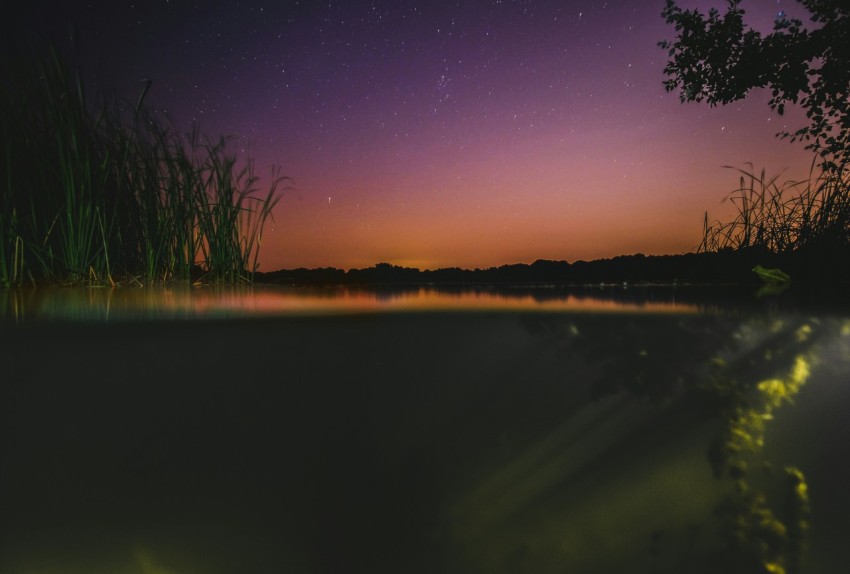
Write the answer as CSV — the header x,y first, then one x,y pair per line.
x,y
717,59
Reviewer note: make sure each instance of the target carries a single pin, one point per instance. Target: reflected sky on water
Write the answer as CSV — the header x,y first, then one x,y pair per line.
x,y
162,303
99,304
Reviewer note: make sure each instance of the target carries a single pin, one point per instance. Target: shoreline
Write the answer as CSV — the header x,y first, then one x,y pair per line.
x,y
696,269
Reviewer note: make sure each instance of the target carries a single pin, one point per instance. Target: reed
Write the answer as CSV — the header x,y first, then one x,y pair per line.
x,y
811,215
105,192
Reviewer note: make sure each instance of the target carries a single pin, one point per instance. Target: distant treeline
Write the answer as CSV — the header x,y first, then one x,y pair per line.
x,y
699,268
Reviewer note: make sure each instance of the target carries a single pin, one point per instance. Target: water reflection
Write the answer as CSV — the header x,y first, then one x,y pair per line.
x,y
202,302
543,442
98,304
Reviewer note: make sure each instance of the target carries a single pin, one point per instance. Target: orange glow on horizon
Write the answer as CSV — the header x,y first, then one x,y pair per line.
x,y
643,192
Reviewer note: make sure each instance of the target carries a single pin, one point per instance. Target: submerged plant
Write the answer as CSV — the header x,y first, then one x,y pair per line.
x,y
766,517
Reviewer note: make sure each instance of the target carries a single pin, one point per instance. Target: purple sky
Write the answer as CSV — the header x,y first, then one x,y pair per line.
x,y
439,134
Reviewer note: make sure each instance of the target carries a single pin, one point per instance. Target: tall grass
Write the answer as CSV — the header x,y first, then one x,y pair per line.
x,y
811,216
107,192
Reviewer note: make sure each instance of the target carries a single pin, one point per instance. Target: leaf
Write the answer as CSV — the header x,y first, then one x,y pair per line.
x,y
774,276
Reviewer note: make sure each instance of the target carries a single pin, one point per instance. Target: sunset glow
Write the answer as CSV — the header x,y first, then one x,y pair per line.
x,y
441,135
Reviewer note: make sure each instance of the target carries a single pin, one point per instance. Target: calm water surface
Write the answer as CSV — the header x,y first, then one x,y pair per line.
x,y
104,304
328,431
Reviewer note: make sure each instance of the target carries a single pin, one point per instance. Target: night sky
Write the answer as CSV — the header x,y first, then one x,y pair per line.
x,y
442,134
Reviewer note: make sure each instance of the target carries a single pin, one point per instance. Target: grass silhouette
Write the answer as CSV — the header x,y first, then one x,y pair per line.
x,y
809,217
108,192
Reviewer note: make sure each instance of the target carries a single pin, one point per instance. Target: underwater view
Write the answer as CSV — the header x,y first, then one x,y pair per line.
x,y
661,389
257,430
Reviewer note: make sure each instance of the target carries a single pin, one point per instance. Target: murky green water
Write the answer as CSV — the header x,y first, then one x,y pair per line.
x,y
266,430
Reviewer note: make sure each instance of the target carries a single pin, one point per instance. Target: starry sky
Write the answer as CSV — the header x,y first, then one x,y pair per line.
x,y
442,134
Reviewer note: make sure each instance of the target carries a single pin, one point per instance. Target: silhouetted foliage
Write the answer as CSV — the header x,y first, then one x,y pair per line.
x,y
725,266
717,59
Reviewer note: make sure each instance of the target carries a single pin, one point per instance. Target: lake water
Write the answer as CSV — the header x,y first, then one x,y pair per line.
x,y
266,429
